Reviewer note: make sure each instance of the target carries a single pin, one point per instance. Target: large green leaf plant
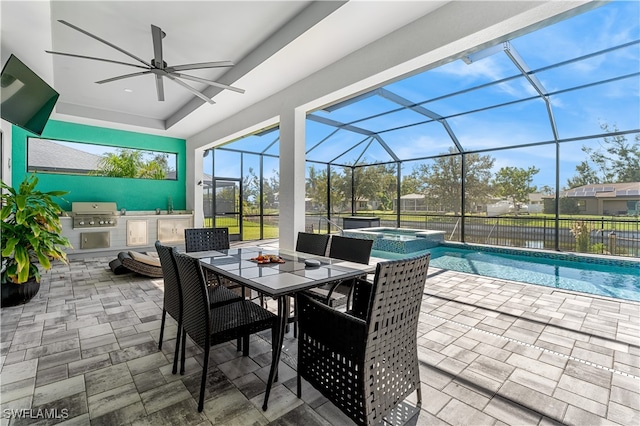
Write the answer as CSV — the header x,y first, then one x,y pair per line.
x,y
31,231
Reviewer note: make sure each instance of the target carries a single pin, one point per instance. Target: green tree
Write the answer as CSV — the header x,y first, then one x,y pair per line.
x,y
227,199
388,186
316,186
514,183
124,163
152,170
376,183
340,189
586,175
616,160
250,192
130,163
410,185
441,181
547,190
270,190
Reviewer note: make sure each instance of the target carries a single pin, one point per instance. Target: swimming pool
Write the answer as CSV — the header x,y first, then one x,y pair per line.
x,y
613,278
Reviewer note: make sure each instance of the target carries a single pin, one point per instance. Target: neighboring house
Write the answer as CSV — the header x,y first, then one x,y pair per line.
x,y
48,156
535,203
411,203
609,199
363,203
310,205
418,202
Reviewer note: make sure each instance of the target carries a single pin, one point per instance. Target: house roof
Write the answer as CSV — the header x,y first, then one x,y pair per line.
x,y
606,190
49,155
536,197
412,197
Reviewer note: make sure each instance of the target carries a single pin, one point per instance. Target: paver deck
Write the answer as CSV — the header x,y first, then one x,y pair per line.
x,y
492,352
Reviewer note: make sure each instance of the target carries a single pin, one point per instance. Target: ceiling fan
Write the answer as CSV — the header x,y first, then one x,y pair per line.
x,y
156,66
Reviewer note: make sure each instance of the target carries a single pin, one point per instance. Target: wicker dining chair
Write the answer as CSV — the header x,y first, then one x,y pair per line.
x,y
366,364
355,250
172,304
312,243
206,239
208,326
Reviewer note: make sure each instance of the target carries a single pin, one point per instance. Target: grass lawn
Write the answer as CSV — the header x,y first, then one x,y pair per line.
x,y
251,229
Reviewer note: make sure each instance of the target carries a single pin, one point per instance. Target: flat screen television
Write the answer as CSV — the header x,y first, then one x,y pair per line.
x,y
26,100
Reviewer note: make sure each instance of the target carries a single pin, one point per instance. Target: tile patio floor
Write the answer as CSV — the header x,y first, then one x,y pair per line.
x,y
492,352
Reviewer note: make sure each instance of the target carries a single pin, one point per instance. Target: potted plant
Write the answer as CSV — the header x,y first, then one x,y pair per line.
x,y
31,237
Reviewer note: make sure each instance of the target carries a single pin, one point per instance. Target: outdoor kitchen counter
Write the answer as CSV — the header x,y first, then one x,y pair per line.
x,y
136,230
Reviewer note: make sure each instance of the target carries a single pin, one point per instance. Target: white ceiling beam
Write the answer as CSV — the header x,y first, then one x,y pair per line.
x,y
306,19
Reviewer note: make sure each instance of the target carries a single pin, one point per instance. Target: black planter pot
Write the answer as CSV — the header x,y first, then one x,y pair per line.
x,y
17,294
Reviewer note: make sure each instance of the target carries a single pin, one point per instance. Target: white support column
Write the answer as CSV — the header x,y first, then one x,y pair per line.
x,y
292,176
5,158
193,190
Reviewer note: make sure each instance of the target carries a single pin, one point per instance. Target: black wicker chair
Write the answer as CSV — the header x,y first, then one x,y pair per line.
x,y
210,326
344,248
206,239
366,364
312,243
173,295
350,249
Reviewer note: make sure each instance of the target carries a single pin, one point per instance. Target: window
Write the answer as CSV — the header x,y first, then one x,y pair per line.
x,y
54,156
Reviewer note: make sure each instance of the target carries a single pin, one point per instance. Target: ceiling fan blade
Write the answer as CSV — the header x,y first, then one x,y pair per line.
x,y
218,64
120,77
160,87
210,83
104,41
191,89
157,35
95,59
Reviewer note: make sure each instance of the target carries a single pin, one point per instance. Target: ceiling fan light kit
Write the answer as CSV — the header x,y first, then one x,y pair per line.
x,y
157,66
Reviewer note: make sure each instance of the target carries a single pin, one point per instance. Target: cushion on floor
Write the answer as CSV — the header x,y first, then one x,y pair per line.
x,y
146,259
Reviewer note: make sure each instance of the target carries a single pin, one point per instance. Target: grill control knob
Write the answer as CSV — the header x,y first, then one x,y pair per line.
x,y
81,222
110,221
91,222
101,222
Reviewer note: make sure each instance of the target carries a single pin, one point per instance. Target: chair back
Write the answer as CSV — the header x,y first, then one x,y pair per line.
x,y
172,290
312,243
204,239
350,249
392,322
195,319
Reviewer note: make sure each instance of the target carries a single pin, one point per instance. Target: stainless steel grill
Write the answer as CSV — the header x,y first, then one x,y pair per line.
x,y
94,215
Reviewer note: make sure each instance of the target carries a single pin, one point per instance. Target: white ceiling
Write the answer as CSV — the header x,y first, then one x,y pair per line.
x,y
273,44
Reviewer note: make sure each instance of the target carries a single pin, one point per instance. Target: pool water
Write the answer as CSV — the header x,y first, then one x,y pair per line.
x,y
612,280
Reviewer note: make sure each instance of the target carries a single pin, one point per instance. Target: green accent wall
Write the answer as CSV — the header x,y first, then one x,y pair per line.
x,y
130,194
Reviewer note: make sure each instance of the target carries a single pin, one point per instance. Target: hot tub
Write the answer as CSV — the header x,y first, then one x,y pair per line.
x,y
398,240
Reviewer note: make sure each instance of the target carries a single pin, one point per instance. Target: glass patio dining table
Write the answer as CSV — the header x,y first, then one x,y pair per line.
x,y
279,280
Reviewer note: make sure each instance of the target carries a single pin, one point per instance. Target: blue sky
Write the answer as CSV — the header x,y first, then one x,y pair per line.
x,y
576,113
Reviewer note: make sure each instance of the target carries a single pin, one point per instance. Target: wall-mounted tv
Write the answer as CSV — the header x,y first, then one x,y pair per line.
x,y
26,100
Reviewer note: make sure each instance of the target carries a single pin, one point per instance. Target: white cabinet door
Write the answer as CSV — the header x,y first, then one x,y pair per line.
x,y
137,233
180,225
172,230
